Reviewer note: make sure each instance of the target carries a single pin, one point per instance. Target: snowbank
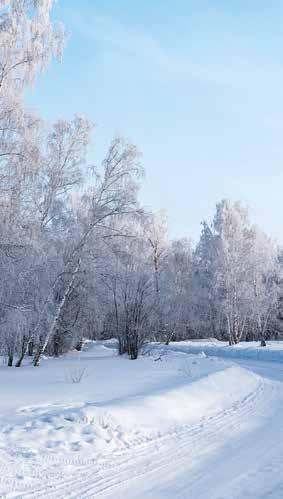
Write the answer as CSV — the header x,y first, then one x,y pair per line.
x,y
273,352
127,420
187,404
132,402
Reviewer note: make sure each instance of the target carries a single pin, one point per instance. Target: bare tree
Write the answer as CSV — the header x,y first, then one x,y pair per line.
x,y
113,195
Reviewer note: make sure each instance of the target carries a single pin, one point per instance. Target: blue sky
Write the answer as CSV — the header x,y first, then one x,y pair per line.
x,y
196,84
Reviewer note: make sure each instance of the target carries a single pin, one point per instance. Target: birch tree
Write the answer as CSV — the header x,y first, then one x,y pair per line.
x,y
266,279
112,195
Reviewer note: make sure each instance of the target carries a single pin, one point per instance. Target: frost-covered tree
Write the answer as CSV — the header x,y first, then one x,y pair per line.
x,y
62,168
176,296
28,41
236,276
130,286
79,256
112,195
266,278
156,233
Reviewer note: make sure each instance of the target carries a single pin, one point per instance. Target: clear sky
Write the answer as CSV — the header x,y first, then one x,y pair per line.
x,y
196,84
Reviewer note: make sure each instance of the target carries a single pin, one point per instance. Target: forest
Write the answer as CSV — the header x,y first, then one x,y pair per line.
x,y
82,258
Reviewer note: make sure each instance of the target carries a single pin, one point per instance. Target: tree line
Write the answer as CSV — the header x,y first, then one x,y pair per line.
x,y
81,258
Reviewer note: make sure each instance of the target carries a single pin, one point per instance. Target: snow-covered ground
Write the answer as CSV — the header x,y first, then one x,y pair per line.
x,y
169,425
245,350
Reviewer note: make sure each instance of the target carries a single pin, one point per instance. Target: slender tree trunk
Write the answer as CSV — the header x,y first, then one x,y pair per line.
x,y
156,264
30,348
41,347
10,359
79,345
169,337
230,335
133,350
122,344
24,347
56,344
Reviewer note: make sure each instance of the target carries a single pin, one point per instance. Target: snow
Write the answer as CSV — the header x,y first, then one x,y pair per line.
x,y
246,350
171,424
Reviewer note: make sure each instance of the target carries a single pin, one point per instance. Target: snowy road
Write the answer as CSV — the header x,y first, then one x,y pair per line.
x,y
234,452
268,370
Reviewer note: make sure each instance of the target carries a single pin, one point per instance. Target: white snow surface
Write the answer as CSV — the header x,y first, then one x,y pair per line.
x,y
170,425
245,350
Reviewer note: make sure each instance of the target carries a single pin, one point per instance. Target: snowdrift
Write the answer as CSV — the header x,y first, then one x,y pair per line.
x,y
127,420
273,352
102,428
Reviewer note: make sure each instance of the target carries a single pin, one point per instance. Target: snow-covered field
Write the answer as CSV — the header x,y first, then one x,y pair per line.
x,y
245,350
169,425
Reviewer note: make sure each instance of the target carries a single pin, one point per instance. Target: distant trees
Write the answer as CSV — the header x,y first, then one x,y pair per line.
x,y
237,274
28,40
233,242
266,276
79,256
156,233
112,195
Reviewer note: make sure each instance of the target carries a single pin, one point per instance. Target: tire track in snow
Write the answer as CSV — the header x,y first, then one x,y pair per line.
x,y
93,479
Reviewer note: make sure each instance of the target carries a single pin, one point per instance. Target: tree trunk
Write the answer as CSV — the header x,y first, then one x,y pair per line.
x,y
56,344
122,345
30,348
133,348
79,345
37,355
169,337
24,347
41,347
